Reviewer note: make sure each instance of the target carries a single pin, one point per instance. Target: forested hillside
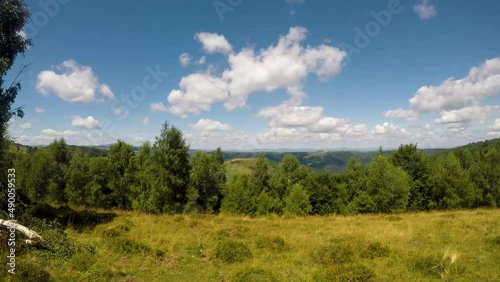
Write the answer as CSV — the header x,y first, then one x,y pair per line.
x,y
164,177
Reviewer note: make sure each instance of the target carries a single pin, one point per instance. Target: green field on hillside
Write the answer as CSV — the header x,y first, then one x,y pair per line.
x,y
435,246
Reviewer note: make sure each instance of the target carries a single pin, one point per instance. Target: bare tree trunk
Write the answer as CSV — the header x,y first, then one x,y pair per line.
x,y
33,237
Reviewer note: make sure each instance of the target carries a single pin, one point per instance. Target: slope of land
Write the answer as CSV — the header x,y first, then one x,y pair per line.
x,y
435,246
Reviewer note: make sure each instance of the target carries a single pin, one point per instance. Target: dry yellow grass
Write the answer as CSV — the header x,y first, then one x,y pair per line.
x,y
454,246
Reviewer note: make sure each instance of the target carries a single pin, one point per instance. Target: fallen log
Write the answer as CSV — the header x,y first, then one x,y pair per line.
x,y
33,237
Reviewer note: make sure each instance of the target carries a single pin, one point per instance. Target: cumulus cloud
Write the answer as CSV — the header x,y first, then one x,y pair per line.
x,y
482,82
197,93
425,10
390,130
89,122
202,60
213,42
25,125
75,83
157,107
210,125
294,116
331,125
401,113
284,65
39,110
146,121
55,133
184,59
467,114
495,128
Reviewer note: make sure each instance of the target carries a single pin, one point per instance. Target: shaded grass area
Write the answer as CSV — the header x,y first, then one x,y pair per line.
x,y
437,246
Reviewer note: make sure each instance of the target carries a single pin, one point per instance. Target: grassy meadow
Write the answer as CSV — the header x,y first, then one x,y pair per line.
x,y
435,246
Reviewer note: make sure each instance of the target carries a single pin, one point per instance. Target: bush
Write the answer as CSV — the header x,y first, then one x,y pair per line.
x,y
128,246
333,254
433,266
232,251
274,244
375,250
349,272
255,275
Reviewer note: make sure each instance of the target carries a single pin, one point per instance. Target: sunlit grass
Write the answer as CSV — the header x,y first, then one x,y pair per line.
x,y
453,246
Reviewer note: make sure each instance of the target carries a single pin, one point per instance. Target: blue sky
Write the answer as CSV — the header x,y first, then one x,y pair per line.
x,y
244,74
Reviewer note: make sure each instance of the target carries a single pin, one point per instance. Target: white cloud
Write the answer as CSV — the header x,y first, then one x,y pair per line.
x,y
291,116
202,60
89,122
106,91
210,125
197,93
401,113
76,83
331,125
482,82
39,110
146,121
495,128
467,114
120,112
25,125
213,42
158,107
425,10
285,65
184,59
390,130
52,132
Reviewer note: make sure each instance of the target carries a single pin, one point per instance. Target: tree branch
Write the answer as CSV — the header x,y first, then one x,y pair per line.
x,y
33,237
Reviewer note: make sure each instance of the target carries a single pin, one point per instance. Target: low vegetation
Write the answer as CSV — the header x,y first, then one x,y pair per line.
x,y
133,246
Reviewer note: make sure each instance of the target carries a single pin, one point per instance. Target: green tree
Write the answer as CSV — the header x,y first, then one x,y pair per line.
x,y
169,171
388,185
78,177
297,201
207,180
288,173
141,188
238,196
260,174
14,14
100,195
452,187
38,178
122,173
416,165
356,178
60,158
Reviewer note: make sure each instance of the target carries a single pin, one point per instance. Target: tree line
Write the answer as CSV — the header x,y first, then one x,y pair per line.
x,y
163,177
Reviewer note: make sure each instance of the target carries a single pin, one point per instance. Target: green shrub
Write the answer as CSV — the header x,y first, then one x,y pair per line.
x,y
349,273
333,254
255,275
434,266
128,246
274,244
375,250
232,251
